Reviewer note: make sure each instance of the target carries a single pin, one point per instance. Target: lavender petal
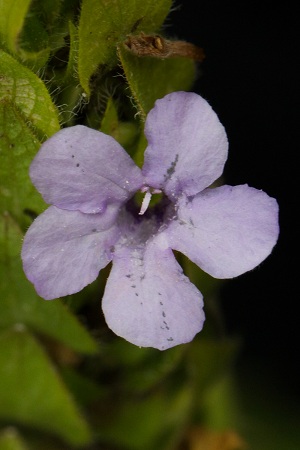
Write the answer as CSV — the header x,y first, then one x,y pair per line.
x,y
83,169
187,145
63,251
227,230
148,301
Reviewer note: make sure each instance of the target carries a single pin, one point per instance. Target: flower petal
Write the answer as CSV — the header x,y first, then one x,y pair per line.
x,y
63,251
148,301
226,231
187,145
83,169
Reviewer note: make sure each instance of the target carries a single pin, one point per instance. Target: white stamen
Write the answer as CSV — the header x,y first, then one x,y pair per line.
x,y
145,203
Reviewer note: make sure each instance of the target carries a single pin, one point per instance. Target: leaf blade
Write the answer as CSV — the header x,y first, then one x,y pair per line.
x,y
21,87
12,17
103,24
150,78
31,391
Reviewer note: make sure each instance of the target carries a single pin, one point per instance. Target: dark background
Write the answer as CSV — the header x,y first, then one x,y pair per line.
x,y
251,80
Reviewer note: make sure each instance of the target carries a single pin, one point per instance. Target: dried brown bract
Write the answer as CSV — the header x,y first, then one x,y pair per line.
x,y
158,47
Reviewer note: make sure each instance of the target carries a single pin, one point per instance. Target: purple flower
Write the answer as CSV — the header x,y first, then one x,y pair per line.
x,y
90,180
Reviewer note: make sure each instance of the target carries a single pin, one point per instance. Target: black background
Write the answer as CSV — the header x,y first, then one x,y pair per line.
x,y
250,77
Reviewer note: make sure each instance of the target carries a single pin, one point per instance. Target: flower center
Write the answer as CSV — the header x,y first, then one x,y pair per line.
x,y
144,215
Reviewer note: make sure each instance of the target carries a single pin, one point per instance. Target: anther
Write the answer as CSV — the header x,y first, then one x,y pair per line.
x,y
145,203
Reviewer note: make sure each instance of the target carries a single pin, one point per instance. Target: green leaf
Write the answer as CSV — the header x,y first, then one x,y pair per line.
x,y
220,404
18,145
27,115
10,440
20,304
71,97
12,18
84,390
31,391
149,78
22,88
104,24
142,368
110,121
22,32
126,133
49,11
73,53
158,418
210,360
34,37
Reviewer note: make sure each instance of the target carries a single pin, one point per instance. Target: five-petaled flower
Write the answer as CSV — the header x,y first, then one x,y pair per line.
x,y
91,181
